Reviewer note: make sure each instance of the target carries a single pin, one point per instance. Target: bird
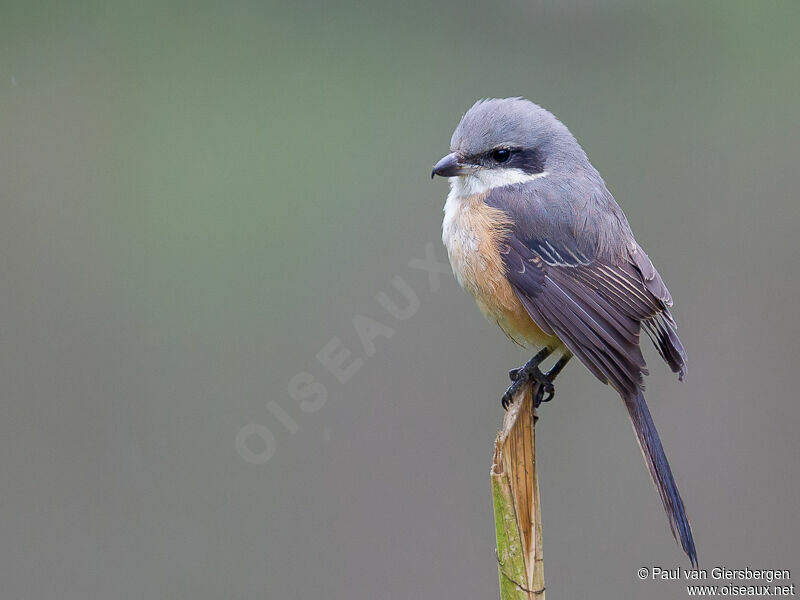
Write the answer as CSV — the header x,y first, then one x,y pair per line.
x,y
534,235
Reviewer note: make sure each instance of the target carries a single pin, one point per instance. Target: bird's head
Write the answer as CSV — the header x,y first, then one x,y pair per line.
x,y
504,141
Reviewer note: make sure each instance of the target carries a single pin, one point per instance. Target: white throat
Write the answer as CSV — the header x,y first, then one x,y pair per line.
x,y
465,187
485,180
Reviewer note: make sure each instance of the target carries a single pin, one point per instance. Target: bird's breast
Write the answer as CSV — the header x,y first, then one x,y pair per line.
x,y
473,233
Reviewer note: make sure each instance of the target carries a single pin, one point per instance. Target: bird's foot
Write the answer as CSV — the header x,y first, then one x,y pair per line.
x,y
521,377
534,362
530,372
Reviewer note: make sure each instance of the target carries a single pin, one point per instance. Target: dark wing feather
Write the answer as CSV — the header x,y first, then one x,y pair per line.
x,y
596,308
660,327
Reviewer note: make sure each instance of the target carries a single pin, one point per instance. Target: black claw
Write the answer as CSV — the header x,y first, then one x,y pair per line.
x,y
544,393
538,399
550,391
508,397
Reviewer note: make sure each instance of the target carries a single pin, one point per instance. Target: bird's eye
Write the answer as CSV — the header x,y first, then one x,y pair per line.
x,y
500,155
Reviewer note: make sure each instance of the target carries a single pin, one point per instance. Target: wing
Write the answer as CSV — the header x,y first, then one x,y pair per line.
x,y
580,274
596,307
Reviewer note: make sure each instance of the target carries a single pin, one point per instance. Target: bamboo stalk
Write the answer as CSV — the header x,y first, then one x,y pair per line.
x,y
517,512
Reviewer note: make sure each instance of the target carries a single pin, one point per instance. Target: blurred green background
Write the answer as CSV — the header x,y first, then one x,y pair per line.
x,y
195,197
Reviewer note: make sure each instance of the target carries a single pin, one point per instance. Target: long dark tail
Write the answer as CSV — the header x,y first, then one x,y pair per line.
x,y
661,473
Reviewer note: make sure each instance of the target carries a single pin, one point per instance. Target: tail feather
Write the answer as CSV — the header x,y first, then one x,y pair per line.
x,y
661,473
